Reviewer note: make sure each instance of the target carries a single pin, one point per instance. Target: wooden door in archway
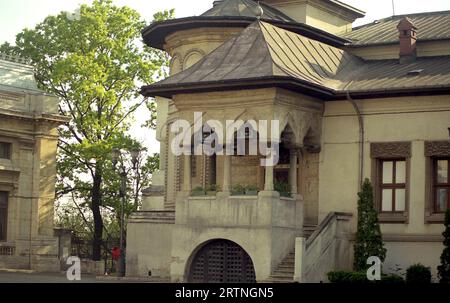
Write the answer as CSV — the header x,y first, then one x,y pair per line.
x,y
222,261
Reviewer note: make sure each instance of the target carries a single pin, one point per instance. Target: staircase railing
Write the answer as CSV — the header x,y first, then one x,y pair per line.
x,y
327,249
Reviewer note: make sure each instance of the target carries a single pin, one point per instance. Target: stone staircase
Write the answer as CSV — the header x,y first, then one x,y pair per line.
x,y
284,273
308,230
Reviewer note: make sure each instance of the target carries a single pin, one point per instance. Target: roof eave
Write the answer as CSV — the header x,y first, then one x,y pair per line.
x,y
396,92
357,12
384,43
154,35
296,85
168,91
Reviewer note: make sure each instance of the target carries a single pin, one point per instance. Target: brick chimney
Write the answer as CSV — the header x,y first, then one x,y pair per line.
x,y
408,38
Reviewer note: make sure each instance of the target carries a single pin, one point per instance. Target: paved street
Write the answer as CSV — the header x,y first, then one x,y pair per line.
x,y
29,277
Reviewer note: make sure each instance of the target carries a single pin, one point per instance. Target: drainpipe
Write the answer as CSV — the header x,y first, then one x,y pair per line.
x,y
361,138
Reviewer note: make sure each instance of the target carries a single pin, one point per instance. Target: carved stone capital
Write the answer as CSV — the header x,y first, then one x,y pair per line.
x,y
390,150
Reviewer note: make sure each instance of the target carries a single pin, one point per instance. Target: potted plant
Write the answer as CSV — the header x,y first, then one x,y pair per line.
x,y
198,191
251,190
237,190
212,190
283,188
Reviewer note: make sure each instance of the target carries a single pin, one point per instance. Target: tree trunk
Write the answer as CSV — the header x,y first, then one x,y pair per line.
x,y
98,221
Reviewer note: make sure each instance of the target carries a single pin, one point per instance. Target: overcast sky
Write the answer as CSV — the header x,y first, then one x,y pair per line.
x,y
16,15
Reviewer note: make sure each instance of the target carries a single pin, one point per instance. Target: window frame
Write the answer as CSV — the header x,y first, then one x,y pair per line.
x,y
433,150
436,185
9,150
389,151
393,186
4,238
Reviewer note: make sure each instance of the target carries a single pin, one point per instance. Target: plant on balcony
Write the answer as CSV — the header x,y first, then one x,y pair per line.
x,y
237,190
283,188
368,241
418,274
251,190
198,191
212,189
444,268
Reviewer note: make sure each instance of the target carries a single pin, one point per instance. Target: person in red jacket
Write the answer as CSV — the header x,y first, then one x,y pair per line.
x,y
115,252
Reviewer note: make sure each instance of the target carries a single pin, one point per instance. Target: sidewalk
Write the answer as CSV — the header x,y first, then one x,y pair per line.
x,y
30,276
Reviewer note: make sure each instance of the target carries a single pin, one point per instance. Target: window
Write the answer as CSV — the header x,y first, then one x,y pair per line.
x,y
441,184
393,185
390,178
3,214
193,166
5,150
437,180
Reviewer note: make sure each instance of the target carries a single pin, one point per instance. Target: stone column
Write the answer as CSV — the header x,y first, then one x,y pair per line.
x,y
226,173
293,156
187,173
268,184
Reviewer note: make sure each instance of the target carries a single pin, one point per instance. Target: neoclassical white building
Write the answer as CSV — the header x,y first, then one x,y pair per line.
x,y
28,138
352,103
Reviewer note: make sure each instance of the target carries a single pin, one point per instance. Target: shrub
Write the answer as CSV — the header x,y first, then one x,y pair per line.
x,y
368,240
347,277
212,187
283,188
238,189
251,188
198,191
444,268
418,273
392,279
359,277
198,188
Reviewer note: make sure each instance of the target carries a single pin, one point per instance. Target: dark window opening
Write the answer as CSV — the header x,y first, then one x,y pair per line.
x,y
3,215
5,150
441,184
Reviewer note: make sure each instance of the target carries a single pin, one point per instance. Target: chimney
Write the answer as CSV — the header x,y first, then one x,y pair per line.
x,y
408,38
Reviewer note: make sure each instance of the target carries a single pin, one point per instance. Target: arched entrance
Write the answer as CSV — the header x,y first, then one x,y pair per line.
x,y
222,261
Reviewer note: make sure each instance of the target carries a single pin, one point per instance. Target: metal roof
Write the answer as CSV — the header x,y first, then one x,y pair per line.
x,y
431,26
234,13
15,75
263,51
246,8
382,75
264,54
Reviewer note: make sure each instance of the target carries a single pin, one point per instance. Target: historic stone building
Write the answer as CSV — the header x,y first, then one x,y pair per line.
x,y
352,103
28,140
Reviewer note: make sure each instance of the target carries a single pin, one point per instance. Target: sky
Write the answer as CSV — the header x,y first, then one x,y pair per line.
x,y
16,15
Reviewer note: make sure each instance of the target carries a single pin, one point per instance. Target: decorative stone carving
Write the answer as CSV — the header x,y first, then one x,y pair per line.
x,y
437,148
390,150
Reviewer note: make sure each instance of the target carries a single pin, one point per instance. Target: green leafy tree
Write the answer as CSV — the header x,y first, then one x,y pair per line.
x,y
94,64
72,212
444,267
8,49
368,240
163,59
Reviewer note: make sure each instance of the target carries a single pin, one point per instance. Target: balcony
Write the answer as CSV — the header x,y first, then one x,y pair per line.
x,y
265,210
